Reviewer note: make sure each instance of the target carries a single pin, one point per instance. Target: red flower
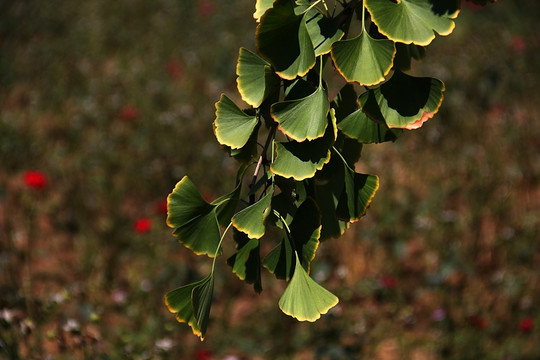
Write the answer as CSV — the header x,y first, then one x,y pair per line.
x,y
35,179
203,354
142,225
205,8
128,113
526,324
161,207
174,69
388,281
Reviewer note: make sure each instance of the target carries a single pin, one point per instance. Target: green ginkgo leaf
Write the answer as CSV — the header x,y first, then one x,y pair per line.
x,y
404,101
251,220
256,80
301,160
364,60
191,304
357,195
322,30
246,263
306,231
260,8
232,126
304,299
409,21
360,127
305,118
327,195
283,39
193,219
201,299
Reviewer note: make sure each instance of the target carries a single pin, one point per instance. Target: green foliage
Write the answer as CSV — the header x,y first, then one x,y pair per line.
x,y
311,191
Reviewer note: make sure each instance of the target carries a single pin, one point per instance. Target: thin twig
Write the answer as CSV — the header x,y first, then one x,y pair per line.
x,y
262,159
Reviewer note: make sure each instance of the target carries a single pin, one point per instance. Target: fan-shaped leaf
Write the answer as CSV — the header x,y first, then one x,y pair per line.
x,y
303,119
279,261
233,127
246,263
409,21
256,80
301,160
323,31
363,59
283,39
193,219
251,220
304,299
191,304
357,194
405,102
305,231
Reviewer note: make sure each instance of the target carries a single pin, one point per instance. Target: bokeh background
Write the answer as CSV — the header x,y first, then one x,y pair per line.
x,y
105,105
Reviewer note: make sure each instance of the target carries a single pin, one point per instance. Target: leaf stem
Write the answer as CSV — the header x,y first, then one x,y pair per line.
x,y
219,246
270,137
342,158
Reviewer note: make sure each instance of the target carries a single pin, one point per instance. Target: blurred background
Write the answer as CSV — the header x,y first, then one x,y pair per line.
x,y
105,105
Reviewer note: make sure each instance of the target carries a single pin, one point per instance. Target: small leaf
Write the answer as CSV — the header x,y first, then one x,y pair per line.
x,y
356,196
233,127
226,204
323,31
279,261
191,303
364,60
251,220
283,39
404,101
327,195
193,219
201,298
409,21
301,160
305,118
246,263
256,80
304,299
305,231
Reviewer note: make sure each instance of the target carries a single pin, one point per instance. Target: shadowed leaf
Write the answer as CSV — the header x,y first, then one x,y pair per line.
x,y
226,204
246,263
283,39
356,196
323,31
201,298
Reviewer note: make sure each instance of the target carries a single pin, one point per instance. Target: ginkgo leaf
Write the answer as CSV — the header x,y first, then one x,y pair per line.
x,y
409,21
304,299
193,219
322,30
283,39
364,60
305,231
305,118
201,298
301,160
404,101
191,304
260,8
251,220
360,127
327,195
357,195
256,80
246,263
233,127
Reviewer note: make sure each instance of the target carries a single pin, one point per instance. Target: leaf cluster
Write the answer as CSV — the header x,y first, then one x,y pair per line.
x,y
304,181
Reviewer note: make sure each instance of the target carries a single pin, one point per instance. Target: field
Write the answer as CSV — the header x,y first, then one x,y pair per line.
x,y
105,105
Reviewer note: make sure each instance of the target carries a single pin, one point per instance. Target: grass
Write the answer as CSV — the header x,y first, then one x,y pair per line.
x,y
113,103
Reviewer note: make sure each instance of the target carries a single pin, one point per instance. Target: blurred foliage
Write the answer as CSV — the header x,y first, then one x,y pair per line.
x,y
113,101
